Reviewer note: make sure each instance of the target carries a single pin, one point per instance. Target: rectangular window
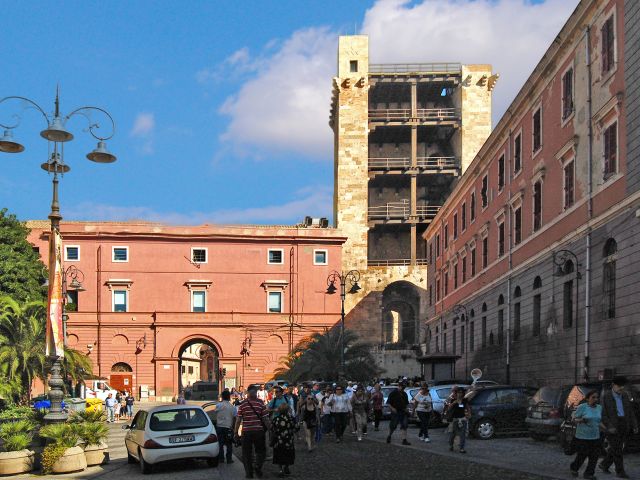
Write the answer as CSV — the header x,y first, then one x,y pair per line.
x,y
517,225
320,257
537,206
567,302
444,342
501,239
611,150
198,301
120,254
455,225
471,335
464,269
608,45
446,236
484,193
537,302
437,245
569,182
275,257
72,301
609,288
463,217
500,326
454,342
567,94
353,66
430,294
190,369
516,320
438,290
485,252
501,172
431,253
484,332
275,302
472,207
473,262
119,300
455,276
199,255
462,339
517,153
537,129
71,253
446,283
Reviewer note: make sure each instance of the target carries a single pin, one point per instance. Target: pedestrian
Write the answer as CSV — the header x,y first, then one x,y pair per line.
x,y
423,406
377,399
326,419
340,410
262,394
458,415
116,408
279,399
588,420
360,409
225,415
398,401
619,421
254,419
129,400
308,414
181,400
110,404
283,443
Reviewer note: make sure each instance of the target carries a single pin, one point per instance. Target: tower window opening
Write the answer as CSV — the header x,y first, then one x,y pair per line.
x,y
353,66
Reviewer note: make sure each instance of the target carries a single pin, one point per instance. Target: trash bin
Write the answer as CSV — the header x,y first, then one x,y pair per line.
x,y
75,404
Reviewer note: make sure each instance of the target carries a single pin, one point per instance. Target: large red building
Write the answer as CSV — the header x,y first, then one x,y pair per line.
x,y
152,291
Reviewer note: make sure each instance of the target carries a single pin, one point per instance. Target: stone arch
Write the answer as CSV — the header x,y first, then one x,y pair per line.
x,y
195,338
121,367
400,313
202,365
72,340
274,340
119,339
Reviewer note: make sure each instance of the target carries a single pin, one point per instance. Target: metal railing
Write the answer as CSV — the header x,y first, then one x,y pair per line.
x,y
404,163
392,262
399,114
402,211
424,68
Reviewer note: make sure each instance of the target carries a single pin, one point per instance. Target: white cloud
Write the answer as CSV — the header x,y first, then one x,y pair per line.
x,y
284,107
314,201
143,125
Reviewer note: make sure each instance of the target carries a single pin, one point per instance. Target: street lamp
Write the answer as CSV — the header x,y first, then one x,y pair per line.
x,y
245,351
57,133
352,277
560,259
141,344
459,310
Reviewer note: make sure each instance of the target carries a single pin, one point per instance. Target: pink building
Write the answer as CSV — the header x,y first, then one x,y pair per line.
x,y
153,291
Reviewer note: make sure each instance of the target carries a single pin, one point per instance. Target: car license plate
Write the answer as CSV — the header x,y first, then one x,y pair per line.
x,y
182,438
536,414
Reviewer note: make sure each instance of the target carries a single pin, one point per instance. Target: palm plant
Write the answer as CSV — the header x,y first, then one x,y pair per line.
x,y
16,436
92,433
76,365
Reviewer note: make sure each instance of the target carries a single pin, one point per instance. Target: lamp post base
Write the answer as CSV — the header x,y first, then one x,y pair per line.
x,y
56,415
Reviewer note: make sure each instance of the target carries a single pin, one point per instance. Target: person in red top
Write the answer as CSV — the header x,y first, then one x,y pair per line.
x,y
254,418
377,399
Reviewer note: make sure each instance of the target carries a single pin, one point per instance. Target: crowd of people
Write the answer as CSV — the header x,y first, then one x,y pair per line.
x,y
119,407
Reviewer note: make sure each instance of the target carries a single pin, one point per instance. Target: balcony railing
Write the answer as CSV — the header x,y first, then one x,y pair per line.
x,y
392,262
404,114
423,68
404,163
402,211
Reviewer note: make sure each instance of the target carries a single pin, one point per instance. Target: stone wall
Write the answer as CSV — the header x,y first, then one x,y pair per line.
x,y
477,85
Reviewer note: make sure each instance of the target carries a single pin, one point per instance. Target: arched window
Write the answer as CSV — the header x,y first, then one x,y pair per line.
x,y
537,282
472,313
609,256
501,300
516,312
484,307
537,305
500,320
567,296
484,325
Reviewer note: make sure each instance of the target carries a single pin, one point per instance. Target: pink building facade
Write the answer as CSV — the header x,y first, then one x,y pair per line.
x,y
153,290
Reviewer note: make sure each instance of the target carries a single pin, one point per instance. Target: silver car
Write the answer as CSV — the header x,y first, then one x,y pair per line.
x,y
439,394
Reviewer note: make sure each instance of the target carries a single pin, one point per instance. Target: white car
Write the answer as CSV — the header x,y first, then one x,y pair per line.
x,y
171,432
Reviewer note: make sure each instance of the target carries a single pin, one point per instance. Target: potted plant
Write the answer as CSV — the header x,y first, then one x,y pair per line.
x,y
93,436
16,437
62,454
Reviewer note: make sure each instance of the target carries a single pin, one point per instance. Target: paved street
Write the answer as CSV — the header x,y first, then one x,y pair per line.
x,y
504,458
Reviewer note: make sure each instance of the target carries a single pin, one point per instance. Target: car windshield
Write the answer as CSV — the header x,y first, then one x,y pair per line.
x,y
547,395
443,393
178,419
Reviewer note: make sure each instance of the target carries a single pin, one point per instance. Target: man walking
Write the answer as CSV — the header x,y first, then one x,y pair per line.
x,y
129,400
225,414
399,401
110,403
262,394
254,418
619,420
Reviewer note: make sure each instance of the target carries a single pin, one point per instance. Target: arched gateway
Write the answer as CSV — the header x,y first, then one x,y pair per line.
x,y
198,369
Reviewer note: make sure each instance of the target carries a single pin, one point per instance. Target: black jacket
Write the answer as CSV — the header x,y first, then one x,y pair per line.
x,y
610,411
398,400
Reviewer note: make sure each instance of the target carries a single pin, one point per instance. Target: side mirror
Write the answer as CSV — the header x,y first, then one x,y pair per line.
x,y
126,427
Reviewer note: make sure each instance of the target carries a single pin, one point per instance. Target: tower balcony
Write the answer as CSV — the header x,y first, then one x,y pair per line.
x,y
424,165
400,212
405,116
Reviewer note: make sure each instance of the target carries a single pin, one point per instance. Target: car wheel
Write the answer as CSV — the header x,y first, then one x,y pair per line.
x,y
485,429
145,467
540,437
212,462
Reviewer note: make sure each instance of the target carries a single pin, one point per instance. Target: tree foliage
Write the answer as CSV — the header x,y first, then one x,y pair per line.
x,y
22,274
318,358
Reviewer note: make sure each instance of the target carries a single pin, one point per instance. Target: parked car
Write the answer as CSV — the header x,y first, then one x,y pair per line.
x,y
498,409
386,409
439,395
576,396
544,415
171,432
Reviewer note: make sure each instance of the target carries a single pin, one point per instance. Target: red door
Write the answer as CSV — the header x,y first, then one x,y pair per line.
x,y
121,381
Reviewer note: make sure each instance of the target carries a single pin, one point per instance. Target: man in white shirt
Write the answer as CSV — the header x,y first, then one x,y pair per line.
x,y
340,409
262,394
225,416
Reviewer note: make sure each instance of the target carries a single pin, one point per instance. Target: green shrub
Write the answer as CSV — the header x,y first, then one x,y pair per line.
x,y
50,455
90,416
92,433
14,411
62,434
12,428
17,442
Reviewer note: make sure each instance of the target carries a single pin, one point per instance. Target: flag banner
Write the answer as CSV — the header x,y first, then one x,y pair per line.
x,y
55,332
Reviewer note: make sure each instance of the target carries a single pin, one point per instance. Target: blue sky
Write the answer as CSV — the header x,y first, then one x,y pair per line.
x,y
222,107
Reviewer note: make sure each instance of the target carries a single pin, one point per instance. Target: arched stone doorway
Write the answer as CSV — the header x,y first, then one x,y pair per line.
x,y
400,313
198,369
121,377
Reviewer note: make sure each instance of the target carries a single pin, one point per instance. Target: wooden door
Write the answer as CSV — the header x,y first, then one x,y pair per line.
x,y
121,381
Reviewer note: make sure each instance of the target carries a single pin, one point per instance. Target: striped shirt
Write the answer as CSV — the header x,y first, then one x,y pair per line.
x,y
251,421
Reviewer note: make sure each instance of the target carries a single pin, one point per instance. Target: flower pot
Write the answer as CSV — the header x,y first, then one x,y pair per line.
x,y
73,460
12,463
96,454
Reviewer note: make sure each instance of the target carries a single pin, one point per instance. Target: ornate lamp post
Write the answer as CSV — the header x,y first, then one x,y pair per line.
x,y
58,135
560,261
459,310
351,277
245,351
